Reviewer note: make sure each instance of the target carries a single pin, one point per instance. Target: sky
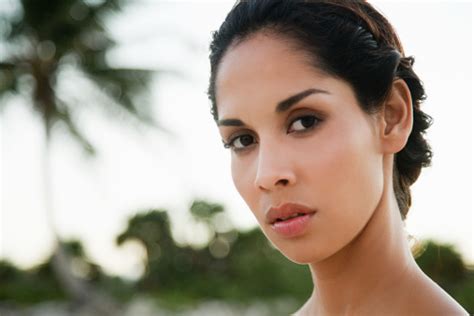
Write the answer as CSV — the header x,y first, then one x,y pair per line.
x,y
139,170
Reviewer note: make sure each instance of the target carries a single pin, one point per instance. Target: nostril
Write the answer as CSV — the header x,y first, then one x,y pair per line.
x,y
271,183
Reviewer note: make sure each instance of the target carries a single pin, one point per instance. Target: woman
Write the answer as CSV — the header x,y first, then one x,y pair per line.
x,y
321,111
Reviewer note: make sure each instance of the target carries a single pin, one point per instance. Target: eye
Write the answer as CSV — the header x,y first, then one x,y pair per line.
x,y
301,124
239,142
304,123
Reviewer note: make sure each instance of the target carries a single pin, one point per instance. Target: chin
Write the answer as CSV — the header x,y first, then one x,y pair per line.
x,y
301,258
299,254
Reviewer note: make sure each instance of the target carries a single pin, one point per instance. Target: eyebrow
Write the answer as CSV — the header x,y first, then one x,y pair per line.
x,y
281,107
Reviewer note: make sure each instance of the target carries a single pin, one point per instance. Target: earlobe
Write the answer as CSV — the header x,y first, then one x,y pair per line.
x,y
397,117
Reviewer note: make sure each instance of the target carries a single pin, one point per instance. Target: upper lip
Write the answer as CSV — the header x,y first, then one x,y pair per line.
x,y
285,210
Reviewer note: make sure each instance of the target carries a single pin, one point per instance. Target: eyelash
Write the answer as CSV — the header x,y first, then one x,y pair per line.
x,y
229,145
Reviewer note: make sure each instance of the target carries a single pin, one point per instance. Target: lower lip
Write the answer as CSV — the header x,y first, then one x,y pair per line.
x,y
294,226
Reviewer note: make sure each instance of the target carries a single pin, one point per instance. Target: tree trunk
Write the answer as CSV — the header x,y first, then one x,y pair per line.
x,y
81,294
60,260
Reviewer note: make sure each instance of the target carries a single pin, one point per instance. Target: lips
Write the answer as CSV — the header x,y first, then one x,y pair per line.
x,y
287,211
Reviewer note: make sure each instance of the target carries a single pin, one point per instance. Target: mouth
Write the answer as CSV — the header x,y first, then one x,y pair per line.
x,y
282,219
293,226
287,212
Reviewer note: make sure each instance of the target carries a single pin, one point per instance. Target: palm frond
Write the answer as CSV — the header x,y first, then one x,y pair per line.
x,y
69,24
45,33
63,115
123,86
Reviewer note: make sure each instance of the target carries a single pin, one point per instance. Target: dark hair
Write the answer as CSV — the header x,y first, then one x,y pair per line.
x,y
349,40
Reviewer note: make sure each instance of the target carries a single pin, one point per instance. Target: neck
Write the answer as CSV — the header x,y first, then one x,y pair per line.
x,y
369,268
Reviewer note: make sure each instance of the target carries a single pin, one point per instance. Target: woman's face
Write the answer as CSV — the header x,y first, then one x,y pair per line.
x,y
321,152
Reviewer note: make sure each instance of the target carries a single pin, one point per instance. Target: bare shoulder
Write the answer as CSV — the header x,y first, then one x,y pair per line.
x,y
425,297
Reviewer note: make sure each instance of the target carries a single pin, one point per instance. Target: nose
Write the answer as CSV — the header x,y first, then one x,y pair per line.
x,y
273,170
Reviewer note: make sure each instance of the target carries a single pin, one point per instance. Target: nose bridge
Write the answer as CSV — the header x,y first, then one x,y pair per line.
x,y
273,166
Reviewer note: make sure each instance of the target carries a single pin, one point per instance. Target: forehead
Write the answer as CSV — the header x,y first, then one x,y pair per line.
x,y
264,69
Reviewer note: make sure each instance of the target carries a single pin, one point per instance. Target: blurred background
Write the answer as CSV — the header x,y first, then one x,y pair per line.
x,y
116,193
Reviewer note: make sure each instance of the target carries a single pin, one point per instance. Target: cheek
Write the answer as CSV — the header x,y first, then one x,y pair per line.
x,y
358,176
344,168
347,180
242,178
342,176
354,186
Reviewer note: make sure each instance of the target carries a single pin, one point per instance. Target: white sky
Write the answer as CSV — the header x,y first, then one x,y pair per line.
x,y
94,199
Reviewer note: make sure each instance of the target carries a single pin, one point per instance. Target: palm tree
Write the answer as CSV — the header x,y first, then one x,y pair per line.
x,y
45,41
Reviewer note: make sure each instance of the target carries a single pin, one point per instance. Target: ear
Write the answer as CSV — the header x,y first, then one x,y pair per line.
x,y
397,118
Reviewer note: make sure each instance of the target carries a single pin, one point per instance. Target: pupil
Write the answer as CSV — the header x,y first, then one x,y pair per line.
x,y
246,140
307,121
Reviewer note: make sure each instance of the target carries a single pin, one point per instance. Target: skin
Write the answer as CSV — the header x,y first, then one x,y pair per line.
x,y
355,245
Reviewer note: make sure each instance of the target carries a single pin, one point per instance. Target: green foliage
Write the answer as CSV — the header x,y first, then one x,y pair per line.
x,y
45,39
205,210
235,265
28,287
463,291
445,266
250,268
263,272
40,283
442,263
43,42
152,230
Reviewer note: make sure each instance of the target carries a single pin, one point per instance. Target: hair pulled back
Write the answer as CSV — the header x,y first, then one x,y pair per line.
x,y
349,40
